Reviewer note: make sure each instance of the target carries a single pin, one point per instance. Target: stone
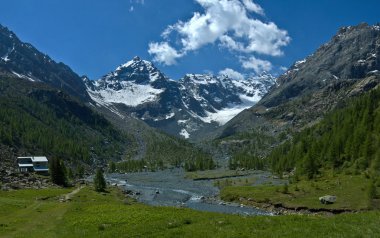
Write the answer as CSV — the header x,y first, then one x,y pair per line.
x,y
328,199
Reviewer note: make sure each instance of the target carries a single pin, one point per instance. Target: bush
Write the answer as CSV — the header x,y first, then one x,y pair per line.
x,y
285,189
372,190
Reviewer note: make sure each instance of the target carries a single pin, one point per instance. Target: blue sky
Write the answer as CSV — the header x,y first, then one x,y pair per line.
x,y
95,36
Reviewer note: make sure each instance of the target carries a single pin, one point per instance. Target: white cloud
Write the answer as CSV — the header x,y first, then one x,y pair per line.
x,y
253,7
229,24
231,74
135,2
256,65
283,68
142,2
163,53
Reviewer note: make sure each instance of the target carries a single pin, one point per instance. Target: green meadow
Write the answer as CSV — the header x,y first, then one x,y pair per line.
x,y
351,191
39,213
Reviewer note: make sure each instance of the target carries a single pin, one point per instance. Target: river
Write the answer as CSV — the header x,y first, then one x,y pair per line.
x,y
170,188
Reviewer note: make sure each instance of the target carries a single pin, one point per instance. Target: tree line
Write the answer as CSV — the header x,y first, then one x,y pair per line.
x,y
347,139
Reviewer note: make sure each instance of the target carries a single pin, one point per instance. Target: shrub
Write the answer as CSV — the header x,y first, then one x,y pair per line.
x,y
372,190
285,189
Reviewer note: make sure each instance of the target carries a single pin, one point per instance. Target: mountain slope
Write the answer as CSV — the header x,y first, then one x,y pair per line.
x,y
24,61
189,107
37,119
346,66
347,139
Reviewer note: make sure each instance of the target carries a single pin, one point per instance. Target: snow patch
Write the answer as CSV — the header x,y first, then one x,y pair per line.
x,y
226,114
184,133
171,115
300,62
23,76
182,121
5,58
131,95
202,79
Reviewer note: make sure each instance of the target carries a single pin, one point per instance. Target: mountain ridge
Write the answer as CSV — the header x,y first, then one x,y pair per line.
x,y
24,61
187,107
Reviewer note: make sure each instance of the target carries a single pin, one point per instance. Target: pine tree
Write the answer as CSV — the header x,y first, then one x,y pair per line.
x,y
99,181
112,167
80,171
70,174
57,172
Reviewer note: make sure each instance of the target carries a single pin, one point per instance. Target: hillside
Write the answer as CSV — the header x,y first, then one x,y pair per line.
x,y
346,140
36,119
347,66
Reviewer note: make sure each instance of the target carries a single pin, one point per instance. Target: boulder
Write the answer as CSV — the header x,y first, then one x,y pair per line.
x,y
328,199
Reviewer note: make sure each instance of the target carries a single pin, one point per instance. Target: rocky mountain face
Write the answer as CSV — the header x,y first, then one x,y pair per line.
x,y
24,61
189,107
346,66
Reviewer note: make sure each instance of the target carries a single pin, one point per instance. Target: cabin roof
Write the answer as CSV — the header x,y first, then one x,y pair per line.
x,y
25,165
35,158
39,159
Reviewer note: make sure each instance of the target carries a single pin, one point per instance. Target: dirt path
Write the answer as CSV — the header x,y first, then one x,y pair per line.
x,y
68,196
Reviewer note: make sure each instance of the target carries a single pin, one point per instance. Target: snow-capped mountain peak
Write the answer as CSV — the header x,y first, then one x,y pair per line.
x,y
192,105
136,70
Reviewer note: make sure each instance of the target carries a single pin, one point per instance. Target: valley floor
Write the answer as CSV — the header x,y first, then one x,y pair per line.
x,y
40,213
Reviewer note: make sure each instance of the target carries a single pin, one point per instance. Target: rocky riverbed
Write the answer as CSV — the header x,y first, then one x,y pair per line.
x,y
170,188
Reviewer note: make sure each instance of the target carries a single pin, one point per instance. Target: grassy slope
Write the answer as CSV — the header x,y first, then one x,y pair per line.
x,y
350,190
90,214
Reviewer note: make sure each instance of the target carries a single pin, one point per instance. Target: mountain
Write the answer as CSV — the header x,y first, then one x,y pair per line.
x,y
24,61
347,66
189,107
45,109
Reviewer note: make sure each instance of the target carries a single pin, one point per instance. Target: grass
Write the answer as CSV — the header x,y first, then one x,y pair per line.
x,y
215,174
222,183
30,211
92,214
351,192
